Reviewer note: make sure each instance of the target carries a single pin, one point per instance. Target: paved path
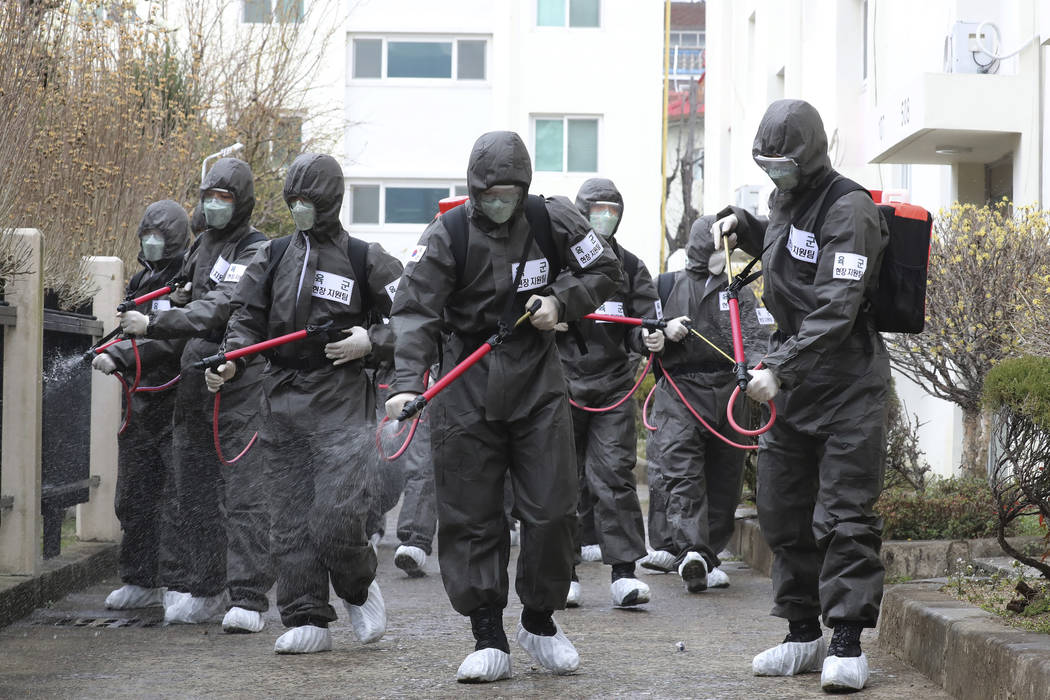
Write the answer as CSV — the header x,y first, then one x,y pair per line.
x,y
624,653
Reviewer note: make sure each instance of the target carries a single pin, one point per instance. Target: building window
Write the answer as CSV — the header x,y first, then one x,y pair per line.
x,y
567,144
398,204
572,13
284,11
455,59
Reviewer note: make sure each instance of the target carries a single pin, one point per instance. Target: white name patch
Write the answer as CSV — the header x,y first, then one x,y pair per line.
x,y
610,308
534,275
234,273
218,270
588,250
659,309
850,266
764,317
161,305
391,288
723,301
332,287
802,245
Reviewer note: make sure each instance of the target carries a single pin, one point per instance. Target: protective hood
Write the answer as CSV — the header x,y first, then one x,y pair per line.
x,y
318,178
236,176
701,246
598,189
170,220
498,158
197,221
794,129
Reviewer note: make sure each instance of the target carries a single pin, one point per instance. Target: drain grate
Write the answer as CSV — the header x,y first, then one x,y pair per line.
x,y
107,622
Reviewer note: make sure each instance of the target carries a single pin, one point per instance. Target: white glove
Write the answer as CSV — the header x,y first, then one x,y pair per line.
x,y
353,347
763,386
215,378
654,340
396,403
133,322
182,296
724,228
547,316
676,329
561,327
104,363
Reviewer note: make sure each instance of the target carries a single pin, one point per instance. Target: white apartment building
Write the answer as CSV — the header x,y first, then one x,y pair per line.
x,y
909,101
579,80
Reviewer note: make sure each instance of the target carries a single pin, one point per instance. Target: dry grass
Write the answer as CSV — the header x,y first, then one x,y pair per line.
x,y
996,592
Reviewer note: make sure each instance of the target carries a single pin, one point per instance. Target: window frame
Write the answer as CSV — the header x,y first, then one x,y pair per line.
x,y
385,40
272,12
390,226
565,118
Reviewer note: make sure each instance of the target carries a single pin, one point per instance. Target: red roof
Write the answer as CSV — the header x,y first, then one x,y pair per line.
x,y
678,102
689,15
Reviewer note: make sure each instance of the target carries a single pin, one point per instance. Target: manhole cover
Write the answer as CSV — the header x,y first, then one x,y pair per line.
x,y
108,622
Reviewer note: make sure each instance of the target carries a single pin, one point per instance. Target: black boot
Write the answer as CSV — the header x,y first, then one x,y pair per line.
x,y
620,571
845,642
803,630
487,625
538,622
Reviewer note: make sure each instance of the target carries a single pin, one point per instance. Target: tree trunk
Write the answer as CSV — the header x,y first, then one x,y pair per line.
x,y
975,445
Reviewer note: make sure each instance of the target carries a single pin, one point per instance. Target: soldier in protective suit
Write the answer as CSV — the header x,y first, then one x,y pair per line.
x,y
820,467
222,518
318,406
148,559
699,475
606,442
508,416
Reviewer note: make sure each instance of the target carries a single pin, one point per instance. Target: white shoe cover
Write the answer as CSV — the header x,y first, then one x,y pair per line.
x,y
308,639
572,600
173,597
716,578
131,596
790,658
239,620
410,560
629,591
659,561
591,552
515,537
844,672
484,666
195,610
555,653
369,619
693,571
373,541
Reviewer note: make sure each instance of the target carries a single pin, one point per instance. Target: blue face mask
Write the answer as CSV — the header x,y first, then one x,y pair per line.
x,y
304,214
217,213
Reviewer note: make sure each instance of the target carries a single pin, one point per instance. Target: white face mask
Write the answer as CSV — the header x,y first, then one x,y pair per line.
x,y
304,214
499,202
217,213
152,247
716,264
604,223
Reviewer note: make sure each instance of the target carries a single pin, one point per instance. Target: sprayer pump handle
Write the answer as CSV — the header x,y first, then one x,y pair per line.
x,y
413,407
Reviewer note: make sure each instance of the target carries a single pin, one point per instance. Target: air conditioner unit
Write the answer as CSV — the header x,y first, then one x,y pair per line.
x,y
747,196
962,53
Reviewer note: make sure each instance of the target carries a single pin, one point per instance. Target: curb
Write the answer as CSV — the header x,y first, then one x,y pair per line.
x,y
964,649
79,565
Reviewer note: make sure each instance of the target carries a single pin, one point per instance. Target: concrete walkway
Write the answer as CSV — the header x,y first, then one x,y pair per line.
x,y
623,653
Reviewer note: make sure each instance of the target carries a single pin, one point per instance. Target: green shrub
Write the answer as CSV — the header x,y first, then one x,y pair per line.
x,y
1022,385
947,509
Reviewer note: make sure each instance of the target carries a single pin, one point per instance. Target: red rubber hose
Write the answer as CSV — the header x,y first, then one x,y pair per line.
x,y
628,395
215,434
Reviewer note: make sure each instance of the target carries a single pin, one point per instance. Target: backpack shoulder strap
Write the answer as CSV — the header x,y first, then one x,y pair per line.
x,y
840,187
254,236
630,266
664,284
278,247
135,281
540,222
455,222
358,251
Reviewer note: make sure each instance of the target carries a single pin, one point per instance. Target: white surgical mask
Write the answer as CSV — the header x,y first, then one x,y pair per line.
x,y
217,212
716,264
499,202
304,214
152,247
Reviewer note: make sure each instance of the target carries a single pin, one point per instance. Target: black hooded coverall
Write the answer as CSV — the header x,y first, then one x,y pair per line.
x,y
150,550
222,514
318,430
820,467
695,478
606,443
508,414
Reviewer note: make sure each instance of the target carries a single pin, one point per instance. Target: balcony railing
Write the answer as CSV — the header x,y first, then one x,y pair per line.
x,y
685,61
